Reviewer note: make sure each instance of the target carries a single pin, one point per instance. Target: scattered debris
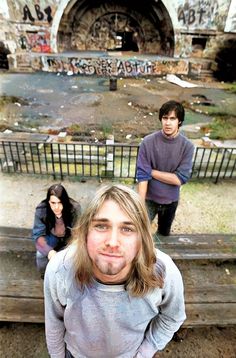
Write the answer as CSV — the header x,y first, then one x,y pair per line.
x,y
185,239
7,131
62,136
201,99
179,82
207,142
128,136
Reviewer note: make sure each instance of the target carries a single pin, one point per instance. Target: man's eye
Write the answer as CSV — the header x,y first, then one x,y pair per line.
x,y
128,229
100,227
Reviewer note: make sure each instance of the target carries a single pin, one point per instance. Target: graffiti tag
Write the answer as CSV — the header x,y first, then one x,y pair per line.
x,y
111,67
202,13
39,13
191,16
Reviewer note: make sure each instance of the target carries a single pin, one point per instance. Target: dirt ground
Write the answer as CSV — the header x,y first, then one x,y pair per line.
x,y
203,208
85,108
29,342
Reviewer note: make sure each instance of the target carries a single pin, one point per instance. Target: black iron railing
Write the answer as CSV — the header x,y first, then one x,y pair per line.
x,y
85,160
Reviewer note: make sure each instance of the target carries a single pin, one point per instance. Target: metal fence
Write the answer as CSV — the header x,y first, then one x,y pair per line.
x,y
85,160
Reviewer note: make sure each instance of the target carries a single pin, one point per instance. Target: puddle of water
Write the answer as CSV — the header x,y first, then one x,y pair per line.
x,y
46,94
46,83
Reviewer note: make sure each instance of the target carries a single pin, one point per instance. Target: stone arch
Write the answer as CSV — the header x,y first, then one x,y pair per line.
x,y
149,28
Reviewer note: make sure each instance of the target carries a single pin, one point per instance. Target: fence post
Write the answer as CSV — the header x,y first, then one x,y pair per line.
x,y
222,161
110,158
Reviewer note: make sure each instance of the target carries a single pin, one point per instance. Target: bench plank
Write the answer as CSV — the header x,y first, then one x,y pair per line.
x,y
22,301
21,288
211,294
32,310
15,232
205,240
22,310
210,314
16,244
177,253
206,293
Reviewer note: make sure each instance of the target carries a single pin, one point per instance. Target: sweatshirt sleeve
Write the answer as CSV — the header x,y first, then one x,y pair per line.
x,y
170,317
183,171
144,169
54,310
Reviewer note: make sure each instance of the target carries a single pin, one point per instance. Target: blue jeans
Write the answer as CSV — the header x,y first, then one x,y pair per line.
x,y
42,260
165,213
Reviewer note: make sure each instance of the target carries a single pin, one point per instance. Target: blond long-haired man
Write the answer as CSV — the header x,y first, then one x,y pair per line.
x,y
110,293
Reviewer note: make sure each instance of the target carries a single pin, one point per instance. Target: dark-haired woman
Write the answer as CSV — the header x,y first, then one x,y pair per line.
x,y
54,218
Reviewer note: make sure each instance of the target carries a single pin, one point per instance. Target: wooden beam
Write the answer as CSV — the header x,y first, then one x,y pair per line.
x,y
22,309
210,314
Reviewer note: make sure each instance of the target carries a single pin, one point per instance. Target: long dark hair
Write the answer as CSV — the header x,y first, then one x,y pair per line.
x,y
60,192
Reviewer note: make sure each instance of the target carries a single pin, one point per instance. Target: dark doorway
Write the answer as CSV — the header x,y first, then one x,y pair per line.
x,y
225,59
199,42
3,56
127,41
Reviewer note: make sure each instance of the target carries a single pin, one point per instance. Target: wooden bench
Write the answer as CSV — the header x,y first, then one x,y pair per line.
x,y
207,263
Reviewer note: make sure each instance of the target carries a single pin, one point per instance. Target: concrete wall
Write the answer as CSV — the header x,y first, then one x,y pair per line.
x,y
179,28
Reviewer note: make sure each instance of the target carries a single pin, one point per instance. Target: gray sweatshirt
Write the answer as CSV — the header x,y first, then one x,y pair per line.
x,y
105,320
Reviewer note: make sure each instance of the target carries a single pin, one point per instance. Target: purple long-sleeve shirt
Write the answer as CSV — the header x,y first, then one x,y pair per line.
x,y
172,155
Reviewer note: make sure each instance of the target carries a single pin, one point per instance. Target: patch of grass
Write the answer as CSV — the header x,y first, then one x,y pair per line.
x,y
12,99
230,87
106,128
74,129
223,128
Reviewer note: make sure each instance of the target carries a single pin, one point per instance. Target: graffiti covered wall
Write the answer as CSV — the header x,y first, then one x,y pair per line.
x,y
179,28
110,66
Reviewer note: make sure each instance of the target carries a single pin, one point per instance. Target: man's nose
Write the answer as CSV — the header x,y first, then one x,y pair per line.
x,y
113,238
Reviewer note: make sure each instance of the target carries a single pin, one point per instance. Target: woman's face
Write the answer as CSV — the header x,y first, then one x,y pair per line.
x,y
56,205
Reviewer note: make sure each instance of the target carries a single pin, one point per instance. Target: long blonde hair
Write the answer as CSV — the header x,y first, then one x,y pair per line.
x,y
147,272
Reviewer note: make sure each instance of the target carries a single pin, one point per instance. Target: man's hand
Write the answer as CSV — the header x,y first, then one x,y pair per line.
x,y
51,254
142,189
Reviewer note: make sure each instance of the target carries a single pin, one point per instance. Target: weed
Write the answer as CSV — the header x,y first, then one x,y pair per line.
x,y
230,87
106,128
223,128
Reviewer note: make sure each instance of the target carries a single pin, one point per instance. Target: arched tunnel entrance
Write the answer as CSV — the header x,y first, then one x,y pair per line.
x,y
89,25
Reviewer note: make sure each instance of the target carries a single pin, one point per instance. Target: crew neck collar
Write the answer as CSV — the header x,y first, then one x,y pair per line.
x,y
168,137
108,287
